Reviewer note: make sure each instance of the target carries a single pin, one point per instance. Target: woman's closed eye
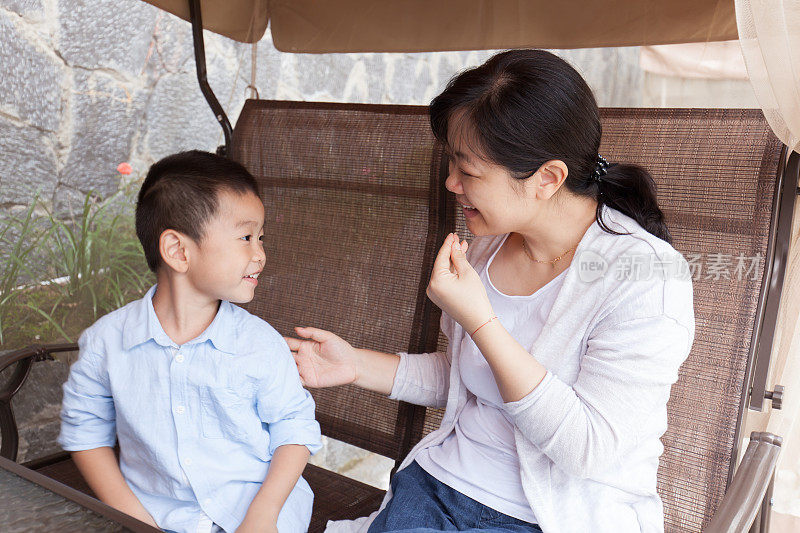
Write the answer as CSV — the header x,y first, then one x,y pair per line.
x,y
465,173
454,167
452,164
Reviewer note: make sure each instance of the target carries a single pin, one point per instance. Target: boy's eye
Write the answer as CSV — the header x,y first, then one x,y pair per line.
x,y
247,237
261,238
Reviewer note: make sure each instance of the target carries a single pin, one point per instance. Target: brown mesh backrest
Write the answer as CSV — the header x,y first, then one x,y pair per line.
x,y
716,174
353,206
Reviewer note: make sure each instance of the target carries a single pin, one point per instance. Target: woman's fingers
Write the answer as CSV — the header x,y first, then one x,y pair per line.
x,y
294,344
315,334
300,373
458,257
442,261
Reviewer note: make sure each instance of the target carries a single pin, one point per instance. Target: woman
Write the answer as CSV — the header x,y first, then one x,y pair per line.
x,y
564,337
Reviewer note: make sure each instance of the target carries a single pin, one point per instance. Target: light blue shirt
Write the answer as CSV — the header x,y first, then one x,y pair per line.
x,y
197,424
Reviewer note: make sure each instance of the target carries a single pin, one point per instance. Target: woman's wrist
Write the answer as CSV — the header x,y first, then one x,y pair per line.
x,y
484,324
375,371
358,366
478,319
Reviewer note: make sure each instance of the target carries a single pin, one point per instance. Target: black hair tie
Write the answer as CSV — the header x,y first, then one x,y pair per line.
x,y
600,169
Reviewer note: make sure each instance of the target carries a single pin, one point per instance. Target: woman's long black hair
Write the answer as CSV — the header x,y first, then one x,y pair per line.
x,y
527,107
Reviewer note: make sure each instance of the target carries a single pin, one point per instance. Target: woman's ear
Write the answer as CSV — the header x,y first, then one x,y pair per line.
x,y
551,175
173,250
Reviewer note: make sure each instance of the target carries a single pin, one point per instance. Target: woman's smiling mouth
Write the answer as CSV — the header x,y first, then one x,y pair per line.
x,y
469,211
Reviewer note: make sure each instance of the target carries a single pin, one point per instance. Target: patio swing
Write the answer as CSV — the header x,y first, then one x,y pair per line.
x,y
337,174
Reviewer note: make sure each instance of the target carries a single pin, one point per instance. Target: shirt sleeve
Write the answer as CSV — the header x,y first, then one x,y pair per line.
x,y
424,379
285,406
88,417
623,387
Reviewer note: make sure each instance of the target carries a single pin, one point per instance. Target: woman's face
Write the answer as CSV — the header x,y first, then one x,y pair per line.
x,y
490,199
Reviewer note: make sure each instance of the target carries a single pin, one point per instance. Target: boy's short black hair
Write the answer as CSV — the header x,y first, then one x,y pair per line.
x,y
181,193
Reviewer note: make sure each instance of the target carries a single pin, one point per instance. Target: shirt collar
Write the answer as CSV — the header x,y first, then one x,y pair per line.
x,y
142,324
222,330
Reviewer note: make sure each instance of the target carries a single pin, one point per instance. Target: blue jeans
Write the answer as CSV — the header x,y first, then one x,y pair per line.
x,y
422,504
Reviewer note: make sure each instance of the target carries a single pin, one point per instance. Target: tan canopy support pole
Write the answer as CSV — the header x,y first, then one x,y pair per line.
x,y
252,87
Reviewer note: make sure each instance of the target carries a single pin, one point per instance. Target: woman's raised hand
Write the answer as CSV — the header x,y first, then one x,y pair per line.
x,y
456,287
323,358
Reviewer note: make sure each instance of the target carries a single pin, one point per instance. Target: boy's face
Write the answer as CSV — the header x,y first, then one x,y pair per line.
x,y
226,263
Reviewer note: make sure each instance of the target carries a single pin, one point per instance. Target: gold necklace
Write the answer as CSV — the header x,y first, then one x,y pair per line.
x,y
551,262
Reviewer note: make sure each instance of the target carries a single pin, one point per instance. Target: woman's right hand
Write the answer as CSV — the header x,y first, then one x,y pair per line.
x,y
323,358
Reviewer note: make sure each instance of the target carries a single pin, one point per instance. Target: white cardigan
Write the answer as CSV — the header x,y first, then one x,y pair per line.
x,y
588,435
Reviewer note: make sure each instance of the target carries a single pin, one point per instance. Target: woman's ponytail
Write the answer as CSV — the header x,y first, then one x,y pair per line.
x,y
631,190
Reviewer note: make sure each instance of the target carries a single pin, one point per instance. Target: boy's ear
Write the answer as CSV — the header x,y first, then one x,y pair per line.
x,y
172,247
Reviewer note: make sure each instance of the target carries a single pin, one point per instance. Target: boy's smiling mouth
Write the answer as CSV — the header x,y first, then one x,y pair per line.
x,y
252,278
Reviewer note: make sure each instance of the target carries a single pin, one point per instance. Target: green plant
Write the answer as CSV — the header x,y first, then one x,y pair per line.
x,y
19,238
58,275
96,262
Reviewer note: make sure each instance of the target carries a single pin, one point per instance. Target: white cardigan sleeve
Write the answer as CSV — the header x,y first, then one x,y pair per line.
x,y
631,361
424,379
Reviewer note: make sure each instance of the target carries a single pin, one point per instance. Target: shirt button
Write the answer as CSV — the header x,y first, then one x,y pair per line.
x,y
188,461
179,358
180,409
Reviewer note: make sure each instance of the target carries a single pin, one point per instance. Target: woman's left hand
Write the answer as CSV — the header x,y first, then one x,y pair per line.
x,y
456,287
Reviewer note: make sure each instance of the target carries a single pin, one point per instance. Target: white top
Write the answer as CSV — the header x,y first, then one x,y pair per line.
x,y
479,458
588,435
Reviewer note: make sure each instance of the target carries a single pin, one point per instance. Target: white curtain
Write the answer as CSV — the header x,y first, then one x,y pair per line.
x,y
714,60
769,33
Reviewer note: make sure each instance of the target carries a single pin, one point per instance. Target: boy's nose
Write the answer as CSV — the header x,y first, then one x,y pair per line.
x,y
260,255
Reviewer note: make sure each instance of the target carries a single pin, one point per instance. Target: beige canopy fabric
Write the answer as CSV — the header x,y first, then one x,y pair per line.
x,y
315,26
241,20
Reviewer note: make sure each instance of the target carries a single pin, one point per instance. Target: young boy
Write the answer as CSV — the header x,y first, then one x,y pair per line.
x,y
213,425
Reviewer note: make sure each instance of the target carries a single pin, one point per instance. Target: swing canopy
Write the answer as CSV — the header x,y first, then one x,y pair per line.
x,y
438,25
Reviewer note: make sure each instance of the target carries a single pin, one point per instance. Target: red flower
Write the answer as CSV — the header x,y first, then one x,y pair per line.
x,y
124,168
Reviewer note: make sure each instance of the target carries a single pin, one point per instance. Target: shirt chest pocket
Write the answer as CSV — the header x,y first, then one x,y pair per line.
x,y
225,414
